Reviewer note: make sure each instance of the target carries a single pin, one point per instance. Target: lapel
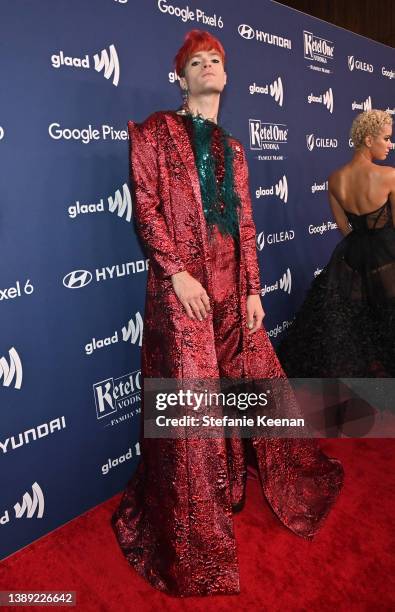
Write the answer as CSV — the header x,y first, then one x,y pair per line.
x,y
181,142
183,146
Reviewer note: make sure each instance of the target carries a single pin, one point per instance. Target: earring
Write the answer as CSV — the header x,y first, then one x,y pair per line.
x,y
185,94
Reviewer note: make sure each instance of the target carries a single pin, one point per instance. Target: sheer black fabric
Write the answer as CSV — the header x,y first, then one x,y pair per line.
x,y
346,325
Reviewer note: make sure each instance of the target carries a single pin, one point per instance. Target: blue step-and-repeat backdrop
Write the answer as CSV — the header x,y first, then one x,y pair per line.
x,y
72,273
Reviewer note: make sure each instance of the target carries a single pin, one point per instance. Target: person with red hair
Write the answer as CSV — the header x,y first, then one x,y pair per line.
x,y
203,322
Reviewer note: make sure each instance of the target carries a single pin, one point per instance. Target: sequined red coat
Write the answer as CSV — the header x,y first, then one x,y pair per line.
x,y
174,523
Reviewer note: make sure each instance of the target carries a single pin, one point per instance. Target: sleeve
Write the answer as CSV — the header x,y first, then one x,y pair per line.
x,y
247,226
151,224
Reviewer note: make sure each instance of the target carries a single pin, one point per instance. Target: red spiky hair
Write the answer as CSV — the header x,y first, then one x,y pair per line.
x,y
195,41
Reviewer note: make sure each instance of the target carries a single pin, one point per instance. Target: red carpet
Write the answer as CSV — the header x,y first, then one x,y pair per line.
x,y
349,566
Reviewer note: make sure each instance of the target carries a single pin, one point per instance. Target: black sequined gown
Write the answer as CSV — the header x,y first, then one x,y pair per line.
x,y
346,325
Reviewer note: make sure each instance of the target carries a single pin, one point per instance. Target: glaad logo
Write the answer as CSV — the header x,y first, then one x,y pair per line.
x,y
355,64
133,332
316,48
185,14
274,238
111,463
284,283
366,105
390,111
32,504
107,61
33,433
121,203
275,89
267,135
81,278
390,74
321,143
12,370
326,99
280,189
320,187
109,64
117,393
246,31
173,77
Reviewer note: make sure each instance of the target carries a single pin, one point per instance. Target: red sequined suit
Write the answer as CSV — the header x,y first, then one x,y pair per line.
x,y
174,523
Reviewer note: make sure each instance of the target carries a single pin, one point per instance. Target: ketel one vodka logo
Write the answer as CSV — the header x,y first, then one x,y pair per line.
x,y
106,61
117,393
31,506
11,370
316,48
265,136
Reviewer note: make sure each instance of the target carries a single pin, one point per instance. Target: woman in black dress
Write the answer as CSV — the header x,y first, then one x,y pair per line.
x,y
346,325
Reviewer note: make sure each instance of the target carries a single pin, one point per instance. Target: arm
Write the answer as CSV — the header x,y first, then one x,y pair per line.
x,y
247,227
255,312
151,224
338,212
392,194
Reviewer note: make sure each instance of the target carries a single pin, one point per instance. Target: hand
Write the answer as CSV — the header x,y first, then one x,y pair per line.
x,y
192,295
255,313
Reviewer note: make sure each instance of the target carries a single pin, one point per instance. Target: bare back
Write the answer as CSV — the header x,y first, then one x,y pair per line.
x,y
360,187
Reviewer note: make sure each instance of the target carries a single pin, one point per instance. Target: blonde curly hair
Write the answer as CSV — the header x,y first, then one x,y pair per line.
x,y
369,123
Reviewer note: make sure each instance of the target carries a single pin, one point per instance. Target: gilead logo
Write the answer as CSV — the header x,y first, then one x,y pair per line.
x,y
107,62
1,133
313,141
356,64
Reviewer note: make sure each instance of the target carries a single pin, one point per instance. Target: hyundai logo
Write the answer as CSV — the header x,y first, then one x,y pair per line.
x,y
246,31
77,279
